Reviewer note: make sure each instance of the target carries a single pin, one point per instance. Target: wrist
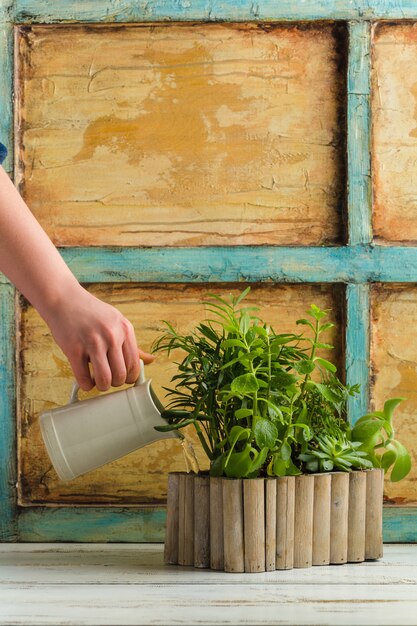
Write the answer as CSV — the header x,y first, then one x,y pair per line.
x,y
56,299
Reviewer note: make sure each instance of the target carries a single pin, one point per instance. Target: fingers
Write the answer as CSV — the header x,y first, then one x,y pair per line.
x,y
82,373
146,357
118,367
101,369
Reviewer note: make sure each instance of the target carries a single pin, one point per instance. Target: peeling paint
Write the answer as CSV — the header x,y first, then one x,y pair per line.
x,y
150,134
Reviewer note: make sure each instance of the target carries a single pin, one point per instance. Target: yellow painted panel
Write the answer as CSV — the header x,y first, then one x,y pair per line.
x,y
394,372
45,381
182,134
394,115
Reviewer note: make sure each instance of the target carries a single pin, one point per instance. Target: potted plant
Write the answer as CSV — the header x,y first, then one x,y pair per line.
x,y
291,482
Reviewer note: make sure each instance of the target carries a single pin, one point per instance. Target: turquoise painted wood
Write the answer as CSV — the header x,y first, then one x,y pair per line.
x,y
6,81
357,264
89,524
155,10
8,507
399,524
346,264
44,11
357,347
358,136
8,510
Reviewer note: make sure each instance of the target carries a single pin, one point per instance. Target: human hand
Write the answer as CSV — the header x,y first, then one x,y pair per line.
x,y
89,330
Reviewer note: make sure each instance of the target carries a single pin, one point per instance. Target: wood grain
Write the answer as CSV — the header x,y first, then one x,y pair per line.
x,y
129,585
321,519
45,381
182,134
339,517
303,520
233,529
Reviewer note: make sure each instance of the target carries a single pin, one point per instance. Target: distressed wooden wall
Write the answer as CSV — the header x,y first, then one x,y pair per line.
x,y
183,134
46,381
394,138
394,372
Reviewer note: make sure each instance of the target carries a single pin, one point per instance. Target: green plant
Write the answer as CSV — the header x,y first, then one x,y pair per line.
x,y
264,403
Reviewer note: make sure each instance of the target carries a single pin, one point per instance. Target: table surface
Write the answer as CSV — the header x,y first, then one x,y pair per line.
x,y
125,584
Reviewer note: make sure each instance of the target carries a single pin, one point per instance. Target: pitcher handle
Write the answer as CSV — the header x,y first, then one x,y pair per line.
x,y
76,387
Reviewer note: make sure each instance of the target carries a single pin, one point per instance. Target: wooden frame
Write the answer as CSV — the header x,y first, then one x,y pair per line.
x,y
356,264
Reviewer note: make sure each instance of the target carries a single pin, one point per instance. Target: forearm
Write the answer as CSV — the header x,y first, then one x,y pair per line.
x,y
27,256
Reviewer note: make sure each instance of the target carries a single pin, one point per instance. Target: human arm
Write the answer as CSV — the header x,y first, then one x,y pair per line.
x,y
86,329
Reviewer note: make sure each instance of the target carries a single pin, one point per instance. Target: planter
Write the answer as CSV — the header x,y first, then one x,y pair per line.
x,y
258,525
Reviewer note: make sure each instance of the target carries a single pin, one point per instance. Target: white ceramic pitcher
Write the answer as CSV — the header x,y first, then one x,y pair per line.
x,y
85,434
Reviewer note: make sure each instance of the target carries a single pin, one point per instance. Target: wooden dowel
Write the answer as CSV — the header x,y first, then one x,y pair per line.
x,y
357,517
234,558
303,521
216,524
321,519
171,534
202,521
254,524
285,522
339,517
373,524
186,520
270,523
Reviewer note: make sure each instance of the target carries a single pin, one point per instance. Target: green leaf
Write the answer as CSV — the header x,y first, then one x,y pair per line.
x,y
238,433
326,364
304,322
265,432
239,463
316,312
231,343
259,459
281,378
402,465
292,470
260,330
245,384
242,295
285,451
241,413
326,327
390,406
305,366
312,466
279,466
366,427
244,323
280,340
387,459
327,465
327,393
217,467
168,427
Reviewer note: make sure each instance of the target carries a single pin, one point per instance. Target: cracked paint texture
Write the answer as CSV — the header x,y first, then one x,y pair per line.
x,y
46,380
394,135
182,134
394,373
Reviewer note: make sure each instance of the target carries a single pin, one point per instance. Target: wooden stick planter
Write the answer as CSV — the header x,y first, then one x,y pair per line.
x,y
257,525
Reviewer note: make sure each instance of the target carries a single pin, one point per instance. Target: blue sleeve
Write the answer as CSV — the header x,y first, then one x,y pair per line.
x,y
3,153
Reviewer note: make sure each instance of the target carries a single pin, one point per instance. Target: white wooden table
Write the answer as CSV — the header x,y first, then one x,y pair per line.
x,y
127,584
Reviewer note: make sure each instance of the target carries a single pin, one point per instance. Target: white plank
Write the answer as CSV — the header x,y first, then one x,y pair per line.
x,y
128,584
205,604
